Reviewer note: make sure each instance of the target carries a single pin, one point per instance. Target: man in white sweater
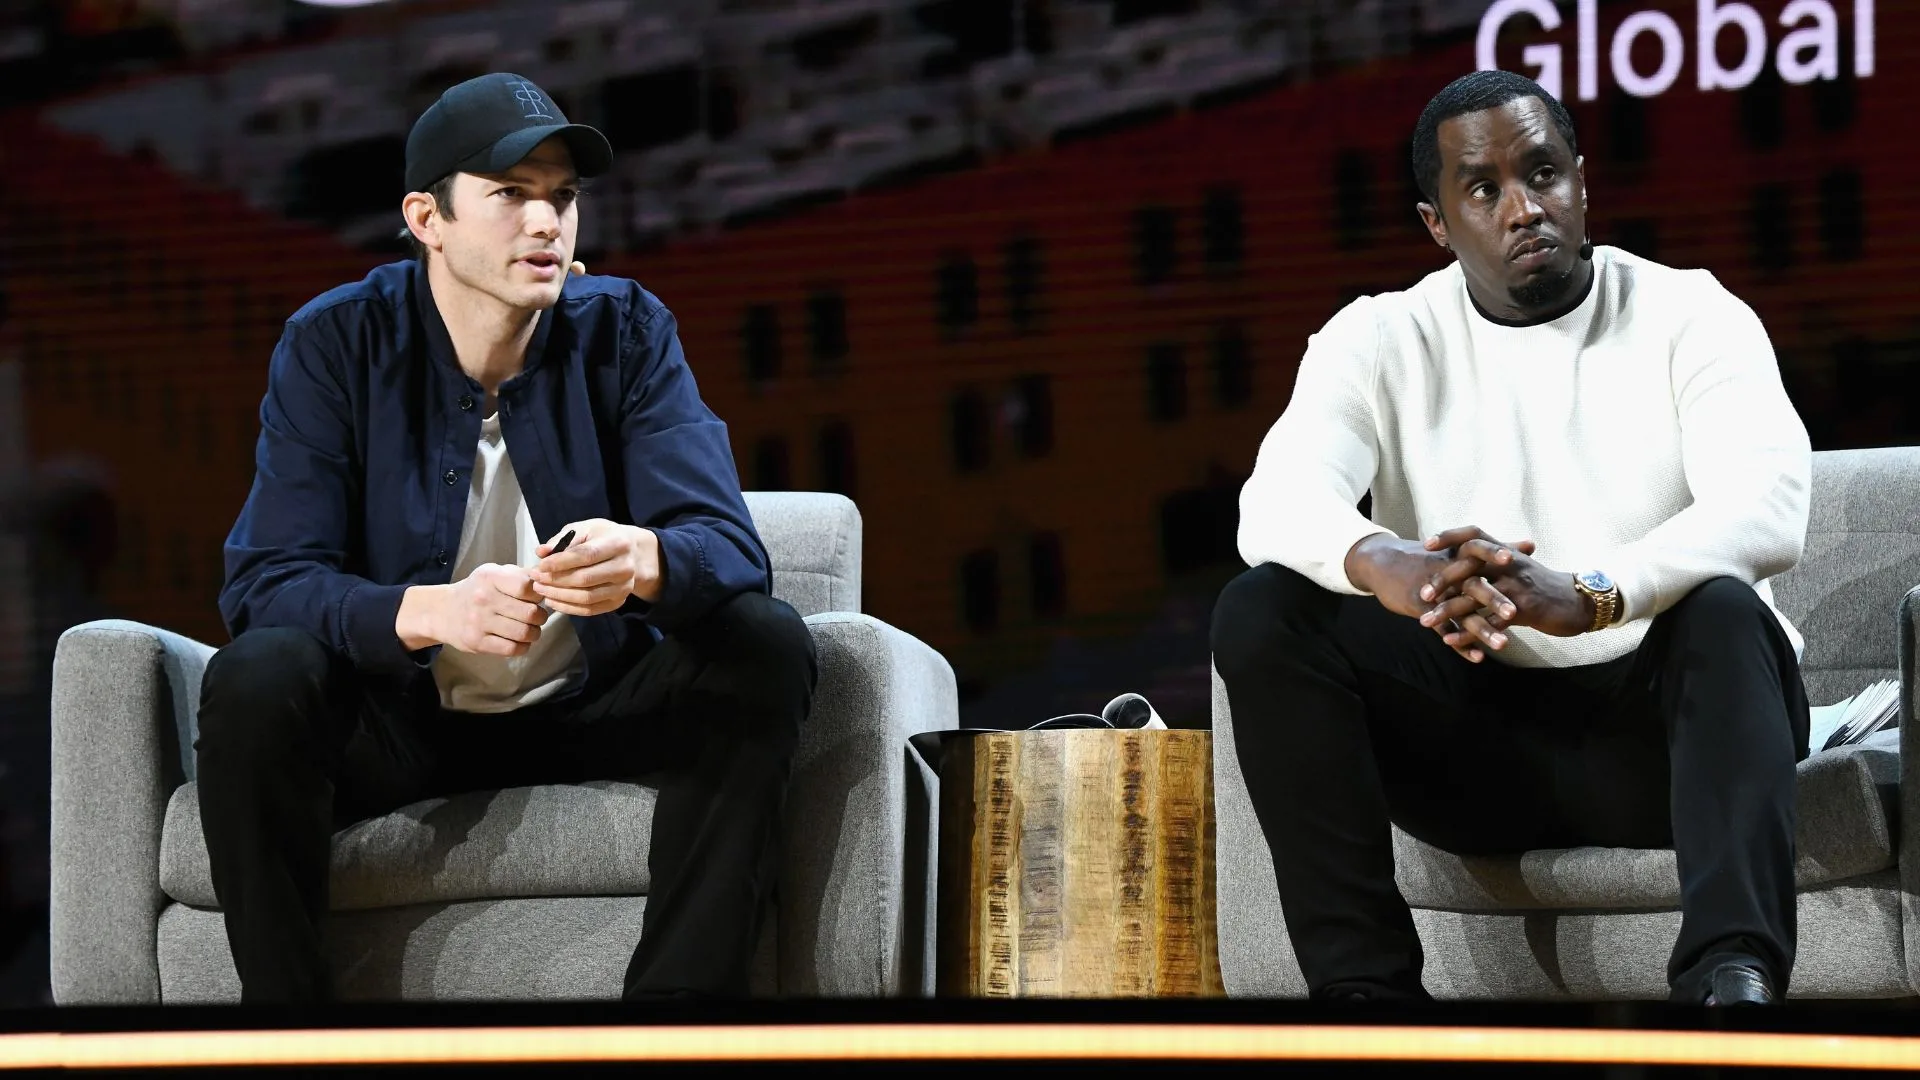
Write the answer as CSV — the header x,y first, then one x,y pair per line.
x,y
1555,629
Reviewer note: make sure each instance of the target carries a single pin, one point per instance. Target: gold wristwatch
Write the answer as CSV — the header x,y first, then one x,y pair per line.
x,y
1606,597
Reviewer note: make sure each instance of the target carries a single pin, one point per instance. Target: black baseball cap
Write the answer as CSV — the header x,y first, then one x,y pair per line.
x,y
489,125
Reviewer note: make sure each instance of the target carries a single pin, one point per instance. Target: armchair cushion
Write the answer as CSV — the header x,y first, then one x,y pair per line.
x,y
1846,830
585,839
565,948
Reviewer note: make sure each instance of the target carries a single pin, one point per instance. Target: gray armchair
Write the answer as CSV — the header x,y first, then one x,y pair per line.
x,y
525,893
1599,922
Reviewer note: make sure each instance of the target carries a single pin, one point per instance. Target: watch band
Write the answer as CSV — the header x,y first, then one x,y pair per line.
x,y
1606,605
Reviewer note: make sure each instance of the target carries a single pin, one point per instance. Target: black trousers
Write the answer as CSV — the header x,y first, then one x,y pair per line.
x,y
1347,717
293,744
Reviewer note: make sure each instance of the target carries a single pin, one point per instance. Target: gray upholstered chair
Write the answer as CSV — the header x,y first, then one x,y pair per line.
x,y
517,894
1599,922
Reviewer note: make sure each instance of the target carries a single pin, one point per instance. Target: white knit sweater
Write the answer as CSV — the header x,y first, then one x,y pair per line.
x,y
1645,434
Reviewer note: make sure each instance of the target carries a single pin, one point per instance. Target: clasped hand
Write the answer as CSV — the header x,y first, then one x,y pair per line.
x,y
1469,588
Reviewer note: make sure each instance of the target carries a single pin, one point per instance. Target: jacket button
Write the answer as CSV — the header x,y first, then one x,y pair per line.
x,y
440,557
450,477
466,402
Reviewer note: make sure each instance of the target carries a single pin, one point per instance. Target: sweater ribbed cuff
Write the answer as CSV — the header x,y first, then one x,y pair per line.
x,y
1639,598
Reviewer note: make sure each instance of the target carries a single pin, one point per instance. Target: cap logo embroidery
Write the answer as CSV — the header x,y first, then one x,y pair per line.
x,y
533,105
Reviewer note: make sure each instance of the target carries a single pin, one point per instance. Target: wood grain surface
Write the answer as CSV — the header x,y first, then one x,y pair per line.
x,y
1077,864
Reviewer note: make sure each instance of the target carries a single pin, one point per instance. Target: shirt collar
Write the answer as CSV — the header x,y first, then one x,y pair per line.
x,y
440,343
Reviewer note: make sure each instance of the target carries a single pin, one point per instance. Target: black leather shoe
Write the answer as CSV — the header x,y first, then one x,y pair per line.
x,y
1738,984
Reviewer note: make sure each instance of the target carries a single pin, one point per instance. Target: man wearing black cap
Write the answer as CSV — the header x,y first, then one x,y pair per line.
x,y
402,629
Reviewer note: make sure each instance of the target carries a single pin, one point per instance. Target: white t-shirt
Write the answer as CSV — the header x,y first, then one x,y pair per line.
x,y
1645,434
499,529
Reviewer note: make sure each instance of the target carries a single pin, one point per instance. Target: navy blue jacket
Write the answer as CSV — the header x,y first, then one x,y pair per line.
x,y
368,434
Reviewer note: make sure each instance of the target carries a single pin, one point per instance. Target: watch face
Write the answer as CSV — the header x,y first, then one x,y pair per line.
x,y
1597,581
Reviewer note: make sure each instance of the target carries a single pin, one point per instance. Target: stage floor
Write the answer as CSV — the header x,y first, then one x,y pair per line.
x,y
947,1037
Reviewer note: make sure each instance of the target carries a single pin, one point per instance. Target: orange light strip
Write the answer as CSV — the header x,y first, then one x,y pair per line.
x,y
899,1042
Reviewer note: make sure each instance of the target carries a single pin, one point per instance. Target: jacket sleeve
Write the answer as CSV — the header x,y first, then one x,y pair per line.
x,y
681,480
288,561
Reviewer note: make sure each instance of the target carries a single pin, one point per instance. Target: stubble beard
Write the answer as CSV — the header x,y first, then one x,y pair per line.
x,y
1543,291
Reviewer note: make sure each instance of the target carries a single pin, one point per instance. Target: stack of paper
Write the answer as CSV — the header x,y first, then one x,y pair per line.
x,y
1851,721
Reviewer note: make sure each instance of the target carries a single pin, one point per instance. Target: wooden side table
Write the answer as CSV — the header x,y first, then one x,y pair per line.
x,y
1077,863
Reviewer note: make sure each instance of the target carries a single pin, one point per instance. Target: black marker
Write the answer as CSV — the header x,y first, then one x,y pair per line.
x,y
559,546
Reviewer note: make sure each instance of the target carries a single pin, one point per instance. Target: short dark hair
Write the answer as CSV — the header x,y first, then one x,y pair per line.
x,y
442,192
1468,94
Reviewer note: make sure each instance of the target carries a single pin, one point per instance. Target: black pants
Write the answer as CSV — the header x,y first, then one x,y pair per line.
x,y
293,744
1347,717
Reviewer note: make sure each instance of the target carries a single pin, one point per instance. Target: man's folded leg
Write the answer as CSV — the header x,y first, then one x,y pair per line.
x,y
291,744
1701,757
1348,717
714,713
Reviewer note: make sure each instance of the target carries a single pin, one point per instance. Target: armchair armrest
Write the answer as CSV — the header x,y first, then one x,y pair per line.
x,y
125,700
1909,835
856,891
